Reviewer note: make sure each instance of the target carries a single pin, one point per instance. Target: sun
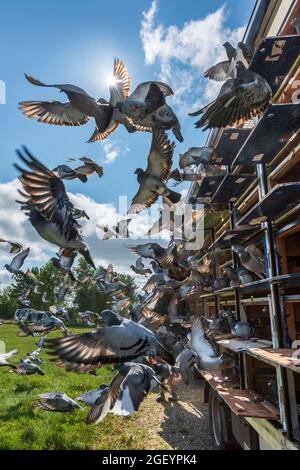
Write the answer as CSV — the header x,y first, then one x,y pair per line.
x,y
112,81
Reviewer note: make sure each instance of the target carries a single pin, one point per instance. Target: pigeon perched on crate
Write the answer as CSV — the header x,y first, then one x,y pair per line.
x,y
252,258
119,341
239,100
232,274
152,181
241,329
48,206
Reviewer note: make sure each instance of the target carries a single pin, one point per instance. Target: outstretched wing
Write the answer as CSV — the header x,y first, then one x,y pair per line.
x,y
53,112
19,259
160,156
47,193
120,89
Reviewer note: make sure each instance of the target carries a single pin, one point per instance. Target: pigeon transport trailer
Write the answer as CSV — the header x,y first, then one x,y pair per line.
x,y
256,403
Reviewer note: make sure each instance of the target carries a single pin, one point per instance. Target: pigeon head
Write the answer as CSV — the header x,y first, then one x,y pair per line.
x,y
237,249
110,318
139,172
6,266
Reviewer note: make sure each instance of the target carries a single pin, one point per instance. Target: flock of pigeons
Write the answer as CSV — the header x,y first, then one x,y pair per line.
x,y
151,341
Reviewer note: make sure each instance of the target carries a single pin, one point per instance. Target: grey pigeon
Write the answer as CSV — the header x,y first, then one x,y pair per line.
x,y
36,323
34,356
232,274
152,181
24,298
203,346
185,363
48,206
119,341
125,393
162,119
119,231
27,367
154,281
81,106
82,172
245,276
241,329
221,71
163,256
239,100
252,258
56,401
17,262
195,156
5,356
139,268
64,262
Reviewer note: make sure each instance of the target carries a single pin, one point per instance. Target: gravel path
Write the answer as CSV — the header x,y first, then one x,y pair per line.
x,y
180,426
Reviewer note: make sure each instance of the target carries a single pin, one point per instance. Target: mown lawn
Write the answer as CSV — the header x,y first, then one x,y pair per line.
x,y
24,427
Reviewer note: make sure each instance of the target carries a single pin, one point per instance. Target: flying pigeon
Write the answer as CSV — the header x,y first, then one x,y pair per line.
x,y
195,156
48,206
185,363
17,262
81,106
119,305
139,268
56,401
24,298
45,322
5,356
203,346
119,341
163,256
15,247
252,258
125,393
153,180
34,356
154,281
27,367
118,231
239,100
223,70
81,172
64,262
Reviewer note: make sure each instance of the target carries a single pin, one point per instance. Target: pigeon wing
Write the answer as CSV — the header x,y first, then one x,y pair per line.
x,y
47,193
53,112
121,89
19,259
218,72
160,156
106,345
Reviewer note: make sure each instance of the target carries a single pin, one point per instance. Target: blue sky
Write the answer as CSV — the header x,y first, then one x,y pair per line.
x,y
76,42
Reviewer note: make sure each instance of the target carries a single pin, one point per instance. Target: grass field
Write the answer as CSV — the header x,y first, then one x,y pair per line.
x,y
24,427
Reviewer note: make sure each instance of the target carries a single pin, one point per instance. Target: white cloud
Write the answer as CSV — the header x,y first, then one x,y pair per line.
x,y
185,53
113,149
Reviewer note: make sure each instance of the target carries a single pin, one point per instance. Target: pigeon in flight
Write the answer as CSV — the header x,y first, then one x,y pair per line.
x,y
81,172
48,206
139,267
119,341
252,258
125,393
5,356
24,298
153,180
163,256
119,231
17,262
90,397
64,262
27,367
186,363
56,401
81,106
195,156
223,70
15,247
239,100
34,356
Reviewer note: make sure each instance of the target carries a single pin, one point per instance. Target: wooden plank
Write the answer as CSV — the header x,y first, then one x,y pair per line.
x,y
271,435
241,402
283,357
237,345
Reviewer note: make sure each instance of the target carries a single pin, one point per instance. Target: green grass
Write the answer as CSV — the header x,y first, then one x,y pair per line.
x,y
23,426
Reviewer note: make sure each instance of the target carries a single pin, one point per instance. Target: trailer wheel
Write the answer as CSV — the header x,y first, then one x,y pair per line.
x,y
220,423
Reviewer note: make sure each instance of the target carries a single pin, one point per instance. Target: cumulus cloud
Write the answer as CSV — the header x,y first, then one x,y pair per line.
x,y
113,149
185,52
